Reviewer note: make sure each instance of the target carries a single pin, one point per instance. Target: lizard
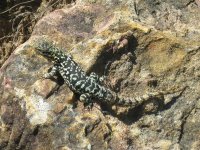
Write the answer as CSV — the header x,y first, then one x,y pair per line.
x,y
87,86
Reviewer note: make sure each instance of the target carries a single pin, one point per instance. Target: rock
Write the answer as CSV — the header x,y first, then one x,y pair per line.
x,y
140,46
163,144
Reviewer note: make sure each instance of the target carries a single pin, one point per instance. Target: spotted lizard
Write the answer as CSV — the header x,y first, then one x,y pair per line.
x,y
89,87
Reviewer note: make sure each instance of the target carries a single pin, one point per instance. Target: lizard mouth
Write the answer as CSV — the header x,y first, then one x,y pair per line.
x,y
43,52
46,54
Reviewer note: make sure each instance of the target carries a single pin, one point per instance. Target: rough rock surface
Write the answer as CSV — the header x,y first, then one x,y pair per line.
x,y
141,46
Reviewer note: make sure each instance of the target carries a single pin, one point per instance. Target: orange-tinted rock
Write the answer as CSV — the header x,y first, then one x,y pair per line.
x,y
135,47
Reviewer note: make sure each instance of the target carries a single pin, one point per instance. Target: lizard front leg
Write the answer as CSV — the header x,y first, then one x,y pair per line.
x,y
54,70
86,99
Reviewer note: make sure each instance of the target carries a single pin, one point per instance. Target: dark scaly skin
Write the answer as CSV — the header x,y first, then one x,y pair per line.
x,y
87,86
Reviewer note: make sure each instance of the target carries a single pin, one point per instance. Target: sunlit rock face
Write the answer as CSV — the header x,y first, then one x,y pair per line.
x,y
140,47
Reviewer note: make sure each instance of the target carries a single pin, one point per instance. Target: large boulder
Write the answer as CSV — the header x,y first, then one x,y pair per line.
x,y
139,46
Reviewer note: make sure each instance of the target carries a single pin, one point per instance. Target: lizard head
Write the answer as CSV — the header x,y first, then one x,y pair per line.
x,y
44,48
47,49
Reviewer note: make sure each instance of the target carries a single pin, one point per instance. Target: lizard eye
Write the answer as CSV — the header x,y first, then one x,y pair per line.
x,y
46,52
42,51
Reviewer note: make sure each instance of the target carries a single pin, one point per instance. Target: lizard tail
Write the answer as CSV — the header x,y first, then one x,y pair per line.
x,y
136,101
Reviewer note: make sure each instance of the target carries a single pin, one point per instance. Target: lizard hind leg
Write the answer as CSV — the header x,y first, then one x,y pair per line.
x,y
96,78
87,101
